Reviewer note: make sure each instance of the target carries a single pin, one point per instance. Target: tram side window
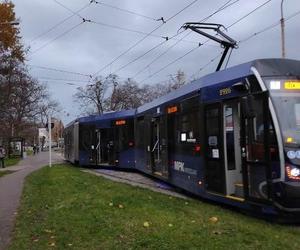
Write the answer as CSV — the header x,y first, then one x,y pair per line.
x,y
255,139
255,133
86,135
187,127
124,136
140,131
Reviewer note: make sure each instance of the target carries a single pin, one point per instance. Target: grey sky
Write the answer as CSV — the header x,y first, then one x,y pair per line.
x,y
89,47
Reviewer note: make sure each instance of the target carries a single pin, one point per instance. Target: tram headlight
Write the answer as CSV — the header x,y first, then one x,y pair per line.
x,y
293,172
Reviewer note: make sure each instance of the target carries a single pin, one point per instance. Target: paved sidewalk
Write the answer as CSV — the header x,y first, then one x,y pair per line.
x,y
137,179
11,186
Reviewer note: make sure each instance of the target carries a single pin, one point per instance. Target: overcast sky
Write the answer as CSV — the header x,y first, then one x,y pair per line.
x,y
90,47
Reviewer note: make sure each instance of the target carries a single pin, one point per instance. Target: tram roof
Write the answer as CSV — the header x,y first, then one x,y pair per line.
x,y
105,116
108,116
265,67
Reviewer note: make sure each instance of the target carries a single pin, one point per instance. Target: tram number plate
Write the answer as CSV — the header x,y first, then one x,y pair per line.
x,y
292,85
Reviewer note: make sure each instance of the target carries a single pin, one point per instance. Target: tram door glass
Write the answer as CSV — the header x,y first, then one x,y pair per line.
x,y
232,149
255,148
159,149
87,141
215,174
104,147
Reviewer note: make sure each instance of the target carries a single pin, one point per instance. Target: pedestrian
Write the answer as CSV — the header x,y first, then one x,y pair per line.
x,y
34,149
2,156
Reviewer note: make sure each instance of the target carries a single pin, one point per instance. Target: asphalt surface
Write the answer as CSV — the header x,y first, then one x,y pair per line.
x,y
11,187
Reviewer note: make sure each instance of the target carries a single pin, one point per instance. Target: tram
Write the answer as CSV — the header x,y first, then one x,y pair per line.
x,y
105,140
232,136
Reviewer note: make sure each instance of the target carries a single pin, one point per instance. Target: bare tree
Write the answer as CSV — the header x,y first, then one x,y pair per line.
x,y
151,92
93,96
109,94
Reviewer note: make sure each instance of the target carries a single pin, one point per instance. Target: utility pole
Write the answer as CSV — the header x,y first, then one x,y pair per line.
x,y
49,129
282,32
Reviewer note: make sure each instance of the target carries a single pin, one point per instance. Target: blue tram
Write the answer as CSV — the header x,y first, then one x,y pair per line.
x,y
105,140
232,136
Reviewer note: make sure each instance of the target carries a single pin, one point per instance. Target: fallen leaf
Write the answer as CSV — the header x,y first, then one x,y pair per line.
x,y
52,237
186,203
111,204
52,244
170,225
47,231
193,221
70,244
213,219
146,224
121,206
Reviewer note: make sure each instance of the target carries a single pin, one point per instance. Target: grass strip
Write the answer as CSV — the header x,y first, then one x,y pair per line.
x,y
65,208
5,172
11,161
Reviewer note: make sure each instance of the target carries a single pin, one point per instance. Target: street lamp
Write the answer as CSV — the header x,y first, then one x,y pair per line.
x,y
282,32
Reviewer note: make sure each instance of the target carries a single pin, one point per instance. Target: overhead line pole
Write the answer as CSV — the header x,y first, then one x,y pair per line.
x,y
50,138
282,32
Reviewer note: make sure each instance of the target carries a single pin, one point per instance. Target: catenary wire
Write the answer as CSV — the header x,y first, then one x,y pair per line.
x,y
143,38
124,10
224,6
70,10
57,37
58,24
177,59
270,27
240,19
172,37
60,79
58,70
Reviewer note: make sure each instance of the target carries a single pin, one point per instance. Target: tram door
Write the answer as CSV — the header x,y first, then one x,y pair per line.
x,y
255,147
98,147
104,146
214,171
232,149
159,149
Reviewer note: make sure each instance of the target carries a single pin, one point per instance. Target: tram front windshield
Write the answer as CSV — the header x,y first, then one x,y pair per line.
x,y
287,105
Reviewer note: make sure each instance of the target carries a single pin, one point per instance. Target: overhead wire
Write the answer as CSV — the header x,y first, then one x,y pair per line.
x,y
177,59
67,8
240,19
61,79
57,37
224,6
59,23
170,38
269,27
58,70
124,10
143,38
248,14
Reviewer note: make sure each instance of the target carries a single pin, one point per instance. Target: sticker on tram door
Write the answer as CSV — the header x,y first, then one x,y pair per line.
x,y
215,153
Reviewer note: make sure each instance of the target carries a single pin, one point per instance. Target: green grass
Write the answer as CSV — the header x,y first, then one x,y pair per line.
x,y
11,161
5,172
63,208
